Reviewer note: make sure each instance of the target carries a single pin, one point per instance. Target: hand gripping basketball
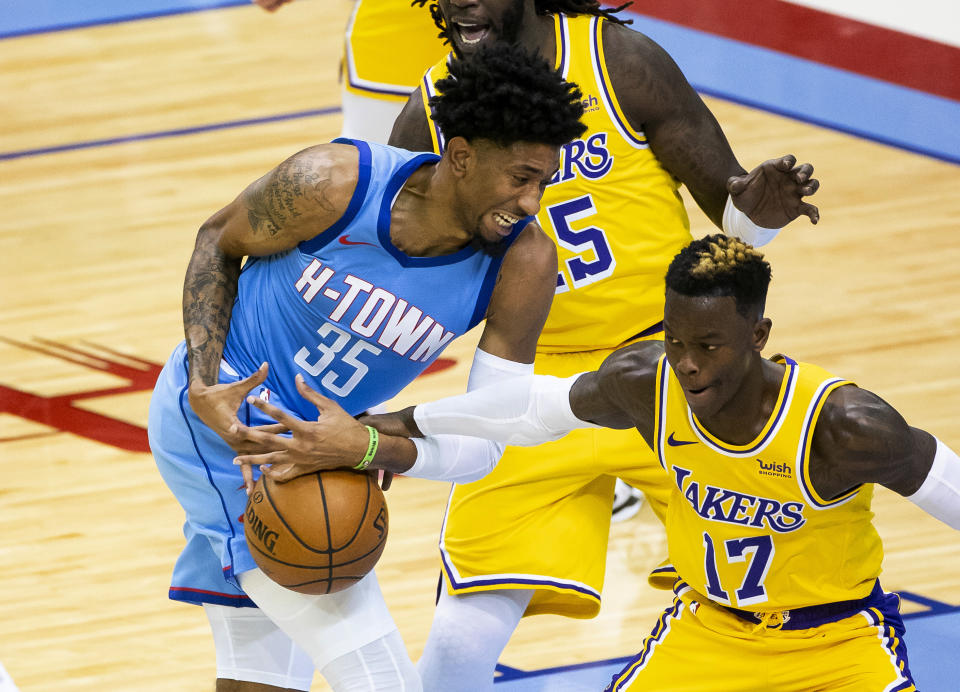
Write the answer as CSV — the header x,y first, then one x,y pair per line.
x,y
334,440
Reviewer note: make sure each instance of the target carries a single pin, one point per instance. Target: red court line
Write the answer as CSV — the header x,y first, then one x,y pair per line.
x,y
866,49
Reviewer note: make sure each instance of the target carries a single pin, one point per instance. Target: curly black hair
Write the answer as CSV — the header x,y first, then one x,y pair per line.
x,y
718,265
569,7
507,94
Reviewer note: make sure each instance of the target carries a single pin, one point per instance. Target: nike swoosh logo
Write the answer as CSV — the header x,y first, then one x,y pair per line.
x,y
344,241
673,442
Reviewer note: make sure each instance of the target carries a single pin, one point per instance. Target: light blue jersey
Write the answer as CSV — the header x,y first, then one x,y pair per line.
x,y
354,315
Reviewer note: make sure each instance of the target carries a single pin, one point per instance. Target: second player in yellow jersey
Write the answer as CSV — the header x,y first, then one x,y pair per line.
x,y
534,531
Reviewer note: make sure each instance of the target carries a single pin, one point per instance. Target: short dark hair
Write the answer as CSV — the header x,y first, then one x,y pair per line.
x,y
718,265
506,94
570,7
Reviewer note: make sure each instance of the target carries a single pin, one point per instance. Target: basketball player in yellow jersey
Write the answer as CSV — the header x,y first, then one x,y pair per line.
x,y
387,46
616,215
771,465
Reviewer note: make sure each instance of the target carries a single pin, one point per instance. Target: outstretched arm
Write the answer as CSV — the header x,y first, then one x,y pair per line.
x,y
524,410
687,139
860,438
539,408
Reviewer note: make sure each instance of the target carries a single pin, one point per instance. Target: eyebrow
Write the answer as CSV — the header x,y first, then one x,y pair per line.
x,y
526,167
697,337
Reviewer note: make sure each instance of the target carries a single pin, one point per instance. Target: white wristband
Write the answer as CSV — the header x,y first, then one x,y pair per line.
x,y
738,225
939,495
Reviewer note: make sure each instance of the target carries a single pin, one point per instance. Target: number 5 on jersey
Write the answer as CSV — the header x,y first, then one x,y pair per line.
x,y
587,240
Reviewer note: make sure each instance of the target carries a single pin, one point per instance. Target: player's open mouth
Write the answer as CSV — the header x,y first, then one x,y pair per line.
x,y
472,34
504,220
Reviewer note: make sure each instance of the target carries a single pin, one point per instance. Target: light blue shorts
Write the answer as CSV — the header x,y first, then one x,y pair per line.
x,y
198,467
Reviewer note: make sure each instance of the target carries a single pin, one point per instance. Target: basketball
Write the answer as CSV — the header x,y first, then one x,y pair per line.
x,y
318,533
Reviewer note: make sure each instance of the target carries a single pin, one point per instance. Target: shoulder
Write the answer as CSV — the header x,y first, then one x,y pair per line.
x,y
625,50
621,393
411,129
636,361
532,254
527,280
644,77
338,163
306,193
852,416
630,370
859,438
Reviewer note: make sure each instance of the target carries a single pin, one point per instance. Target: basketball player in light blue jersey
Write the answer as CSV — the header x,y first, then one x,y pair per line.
x,y
363,263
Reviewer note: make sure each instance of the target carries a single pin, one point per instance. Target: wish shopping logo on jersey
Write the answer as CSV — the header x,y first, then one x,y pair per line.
x,y
590,104
770,468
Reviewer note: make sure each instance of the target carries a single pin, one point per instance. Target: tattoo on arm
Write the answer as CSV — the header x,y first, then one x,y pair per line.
x,y
295,188
208,293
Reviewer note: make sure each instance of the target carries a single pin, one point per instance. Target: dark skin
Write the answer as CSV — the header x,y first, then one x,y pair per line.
x,y
473,193
715,353
655,97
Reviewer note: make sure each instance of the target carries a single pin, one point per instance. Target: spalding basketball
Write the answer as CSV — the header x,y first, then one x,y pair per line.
x,y
318,533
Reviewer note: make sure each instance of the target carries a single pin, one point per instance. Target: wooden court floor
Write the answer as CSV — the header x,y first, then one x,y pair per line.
x,y
94,242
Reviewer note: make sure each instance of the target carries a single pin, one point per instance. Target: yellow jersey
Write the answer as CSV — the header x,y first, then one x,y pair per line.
x,y
388,45
744,523
613,210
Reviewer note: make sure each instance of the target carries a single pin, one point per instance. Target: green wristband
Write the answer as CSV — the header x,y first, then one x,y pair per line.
x,y
371,448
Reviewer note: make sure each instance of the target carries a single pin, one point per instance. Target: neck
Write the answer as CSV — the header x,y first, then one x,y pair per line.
x,y
744,416
537,34
423,220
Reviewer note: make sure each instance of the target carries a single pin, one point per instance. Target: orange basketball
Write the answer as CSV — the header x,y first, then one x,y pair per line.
x,y
318,533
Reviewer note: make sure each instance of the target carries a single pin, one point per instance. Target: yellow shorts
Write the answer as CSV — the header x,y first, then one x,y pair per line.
x,y
541,519
698,646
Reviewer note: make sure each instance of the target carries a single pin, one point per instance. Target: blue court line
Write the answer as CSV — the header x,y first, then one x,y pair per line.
x,y
43,16
756,77
811,92
934,607
509,673
6,156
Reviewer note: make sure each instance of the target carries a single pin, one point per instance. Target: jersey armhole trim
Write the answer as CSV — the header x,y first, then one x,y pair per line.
x,y
364,172
659,411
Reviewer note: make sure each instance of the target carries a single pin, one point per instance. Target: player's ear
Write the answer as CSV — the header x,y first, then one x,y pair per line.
x,y
462,155
761,332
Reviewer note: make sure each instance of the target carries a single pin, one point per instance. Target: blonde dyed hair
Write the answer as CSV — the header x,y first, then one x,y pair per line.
x,y
722,255
718,265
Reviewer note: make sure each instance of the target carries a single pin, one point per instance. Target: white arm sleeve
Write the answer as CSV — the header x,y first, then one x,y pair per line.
x,y
463,459
939,495
527,410
738,225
